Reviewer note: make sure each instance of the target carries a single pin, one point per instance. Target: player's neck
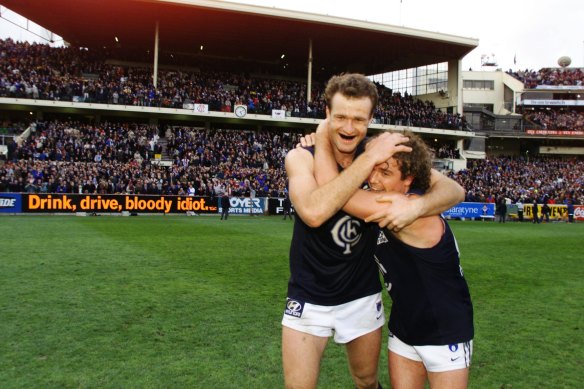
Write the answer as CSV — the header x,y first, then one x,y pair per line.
x,y
344,160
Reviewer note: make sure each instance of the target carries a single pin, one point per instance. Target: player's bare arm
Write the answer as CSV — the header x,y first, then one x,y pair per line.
x,y
315,205
401,210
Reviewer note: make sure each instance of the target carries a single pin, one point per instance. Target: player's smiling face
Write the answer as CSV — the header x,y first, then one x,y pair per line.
x,y
349,119
386,177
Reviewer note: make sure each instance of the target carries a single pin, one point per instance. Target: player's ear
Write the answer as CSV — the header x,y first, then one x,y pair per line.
x,y
408,181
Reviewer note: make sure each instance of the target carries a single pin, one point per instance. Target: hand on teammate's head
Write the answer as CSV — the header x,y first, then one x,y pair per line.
x,y
384,146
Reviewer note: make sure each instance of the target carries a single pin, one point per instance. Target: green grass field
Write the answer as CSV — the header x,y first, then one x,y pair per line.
x,y
195,302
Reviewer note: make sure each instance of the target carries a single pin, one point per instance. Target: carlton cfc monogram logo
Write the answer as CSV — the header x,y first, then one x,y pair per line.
x,y
345,233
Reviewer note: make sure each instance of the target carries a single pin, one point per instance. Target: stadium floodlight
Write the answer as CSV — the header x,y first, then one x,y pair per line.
x,y
488,60
201,47
116,38
283,55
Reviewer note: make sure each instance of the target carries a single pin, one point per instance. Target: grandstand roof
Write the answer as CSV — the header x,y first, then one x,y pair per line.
x,y
235,33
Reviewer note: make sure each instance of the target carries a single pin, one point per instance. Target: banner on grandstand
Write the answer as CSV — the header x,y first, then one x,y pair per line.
x,y
554,132
72,203
552,102
555,87
245,205
278,114
10,203
471,211
561,150
201,108
276,207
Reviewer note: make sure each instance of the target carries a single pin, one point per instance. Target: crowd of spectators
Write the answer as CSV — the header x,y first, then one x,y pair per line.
x,y
408,111
71,157
38,71
77,142
568,120
549,76
447,151
543,179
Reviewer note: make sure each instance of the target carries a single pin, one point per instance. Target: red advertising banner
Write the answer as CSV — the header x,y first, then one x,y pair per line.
x,y
579,212
555,132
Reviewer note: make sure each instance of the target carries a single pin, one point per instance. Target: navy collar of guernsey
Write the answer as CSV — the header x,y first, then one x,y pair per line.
x,y
415,191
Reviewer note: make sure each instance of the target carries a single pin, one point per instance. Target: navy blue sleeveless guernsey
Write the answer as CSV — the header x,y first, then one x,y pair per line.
x,y
431,300
333,264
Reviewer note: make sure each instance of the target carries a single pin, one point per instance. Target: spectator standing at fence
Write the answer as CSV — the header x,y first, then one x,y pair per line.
x,y
191,192
252,196
535,211
545,211
225,204
570,206
502,209
520,208
287,205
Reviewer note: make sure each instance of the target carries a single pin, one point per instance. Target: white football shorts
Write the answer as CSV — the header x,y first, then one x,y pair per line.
x,y
346,321
436,359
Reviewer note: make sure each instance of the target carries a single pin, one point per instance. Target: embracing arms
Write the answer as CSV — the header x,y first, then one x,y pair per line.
x,y
315,204
392,210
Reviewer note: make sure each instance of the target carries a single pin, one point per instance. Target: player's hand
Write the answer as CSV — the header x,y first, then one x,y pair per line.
x,y
401,211
384,146
307,140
